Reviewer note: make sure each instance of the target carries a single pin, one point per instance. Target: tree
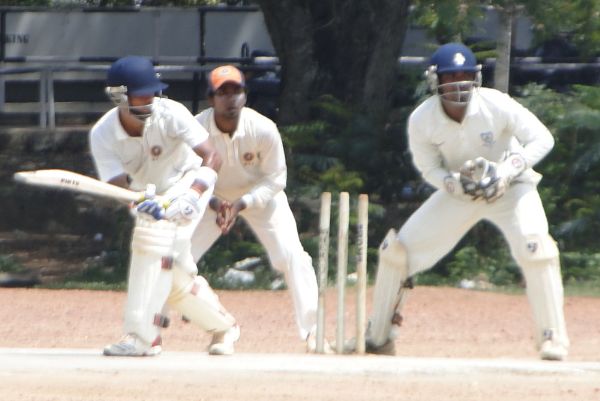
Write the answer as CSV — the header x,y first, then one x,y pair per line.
x,y
577,20
348,49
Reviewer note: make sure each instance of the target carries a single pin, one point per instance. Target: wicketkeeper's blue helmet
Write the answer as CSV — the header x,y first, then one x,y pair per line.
x,y
450,58
454,57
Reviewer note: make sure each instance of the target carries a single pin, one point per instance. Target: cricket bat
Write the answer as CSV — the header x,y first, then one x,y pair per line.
x,y
71,181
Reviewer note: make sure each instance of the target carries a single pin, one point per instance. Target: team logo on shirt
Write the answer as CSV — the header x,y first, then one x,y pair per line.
x,y
517,163
487,138
248,157
155,151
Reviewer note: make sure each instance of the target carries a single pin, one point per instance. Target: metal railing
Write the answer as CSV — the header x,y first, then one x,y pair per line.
x,y
46,80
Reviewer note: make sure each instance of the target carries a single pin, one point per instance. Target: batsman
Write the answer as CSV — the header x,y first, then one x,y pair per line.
x,y
153,144
477,147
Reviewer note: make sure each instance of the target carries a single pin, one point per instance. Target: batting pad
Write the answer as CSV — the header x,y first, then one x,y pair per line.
x,y
194,299
389,293
541,268
150,276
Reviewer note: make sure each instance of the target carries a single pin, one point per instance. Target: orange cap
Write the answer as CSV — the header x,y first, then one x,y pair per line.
x,y
224,74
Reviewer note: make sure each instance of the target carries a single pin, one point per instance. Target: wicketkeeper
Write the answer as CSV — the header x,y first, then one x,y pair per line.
x,y
148,141
477,146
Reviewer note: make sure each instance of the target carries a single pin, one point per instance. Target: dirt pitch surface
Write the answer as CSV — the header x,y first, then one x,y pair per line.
x,y
455,345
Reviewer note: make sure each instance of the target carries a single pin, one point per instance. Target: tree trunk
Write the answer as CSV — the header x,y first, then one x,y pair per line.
x,y
503,48
348,49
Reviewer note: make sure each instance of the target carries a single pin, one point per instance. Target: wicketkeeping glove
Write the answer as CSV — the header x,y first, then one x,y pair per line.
x,y
469,177
461,187
497,177
464,185
184,208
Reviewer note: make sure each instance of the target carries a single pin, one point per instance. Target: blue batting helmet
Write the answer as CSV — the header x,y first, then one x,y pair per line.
x,y
137,74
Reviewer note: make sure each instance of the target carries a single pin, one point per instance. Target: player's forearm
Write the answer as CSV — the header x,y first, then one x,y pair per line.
x,y
210,157
212,160
211,163
265,190
536,150
534,137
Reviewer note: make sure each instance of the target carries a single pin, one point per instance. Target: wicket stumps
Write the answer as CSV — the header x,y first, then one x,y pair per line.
x,y
342,267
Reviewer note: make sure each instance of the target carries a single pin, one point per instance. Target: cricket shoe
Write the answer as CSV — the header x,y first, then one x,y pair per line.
x,y
388,348
132,345
222,342
552,350
349,347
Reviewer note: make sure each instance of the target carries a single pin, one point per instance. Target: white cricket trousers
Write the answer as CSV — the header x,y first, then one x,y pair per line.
x,y
437,226
275,227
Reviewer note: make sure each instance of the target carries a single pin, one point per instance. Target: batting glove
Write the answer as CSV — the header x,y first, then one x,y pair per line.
x,y
153,208
184,208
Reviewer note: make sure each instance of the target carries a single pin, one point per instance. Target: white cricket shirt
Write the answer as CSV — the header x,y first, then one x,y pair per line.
x,y
160,156
253,158
495,125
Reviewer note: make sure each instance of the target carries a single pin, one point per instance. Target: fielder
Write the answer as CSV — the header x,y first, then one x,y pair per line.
x,y
251,184
477,146
147,139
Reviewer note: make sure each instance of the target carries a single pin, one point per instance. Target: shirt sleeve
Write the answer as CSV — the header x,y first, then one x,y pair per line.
x,y
107,162
535,138
187,127
273,168
426,156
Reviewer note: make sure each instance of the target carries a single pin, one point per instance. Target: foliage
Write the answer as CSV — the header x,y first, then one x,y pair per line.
x,y
344,150
580,267
571,184
8,264
89,285
24,3
320,153
493,267
109,269
108,3
447,21
237,245
576,22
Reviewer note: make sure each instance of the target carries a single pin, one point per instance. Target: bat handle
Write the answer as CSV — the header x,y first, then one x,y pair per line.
x,y
150,191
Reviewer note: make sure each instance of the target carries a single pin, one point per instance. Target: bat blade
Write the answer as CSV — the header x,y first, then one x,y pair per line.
x,y
69,180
